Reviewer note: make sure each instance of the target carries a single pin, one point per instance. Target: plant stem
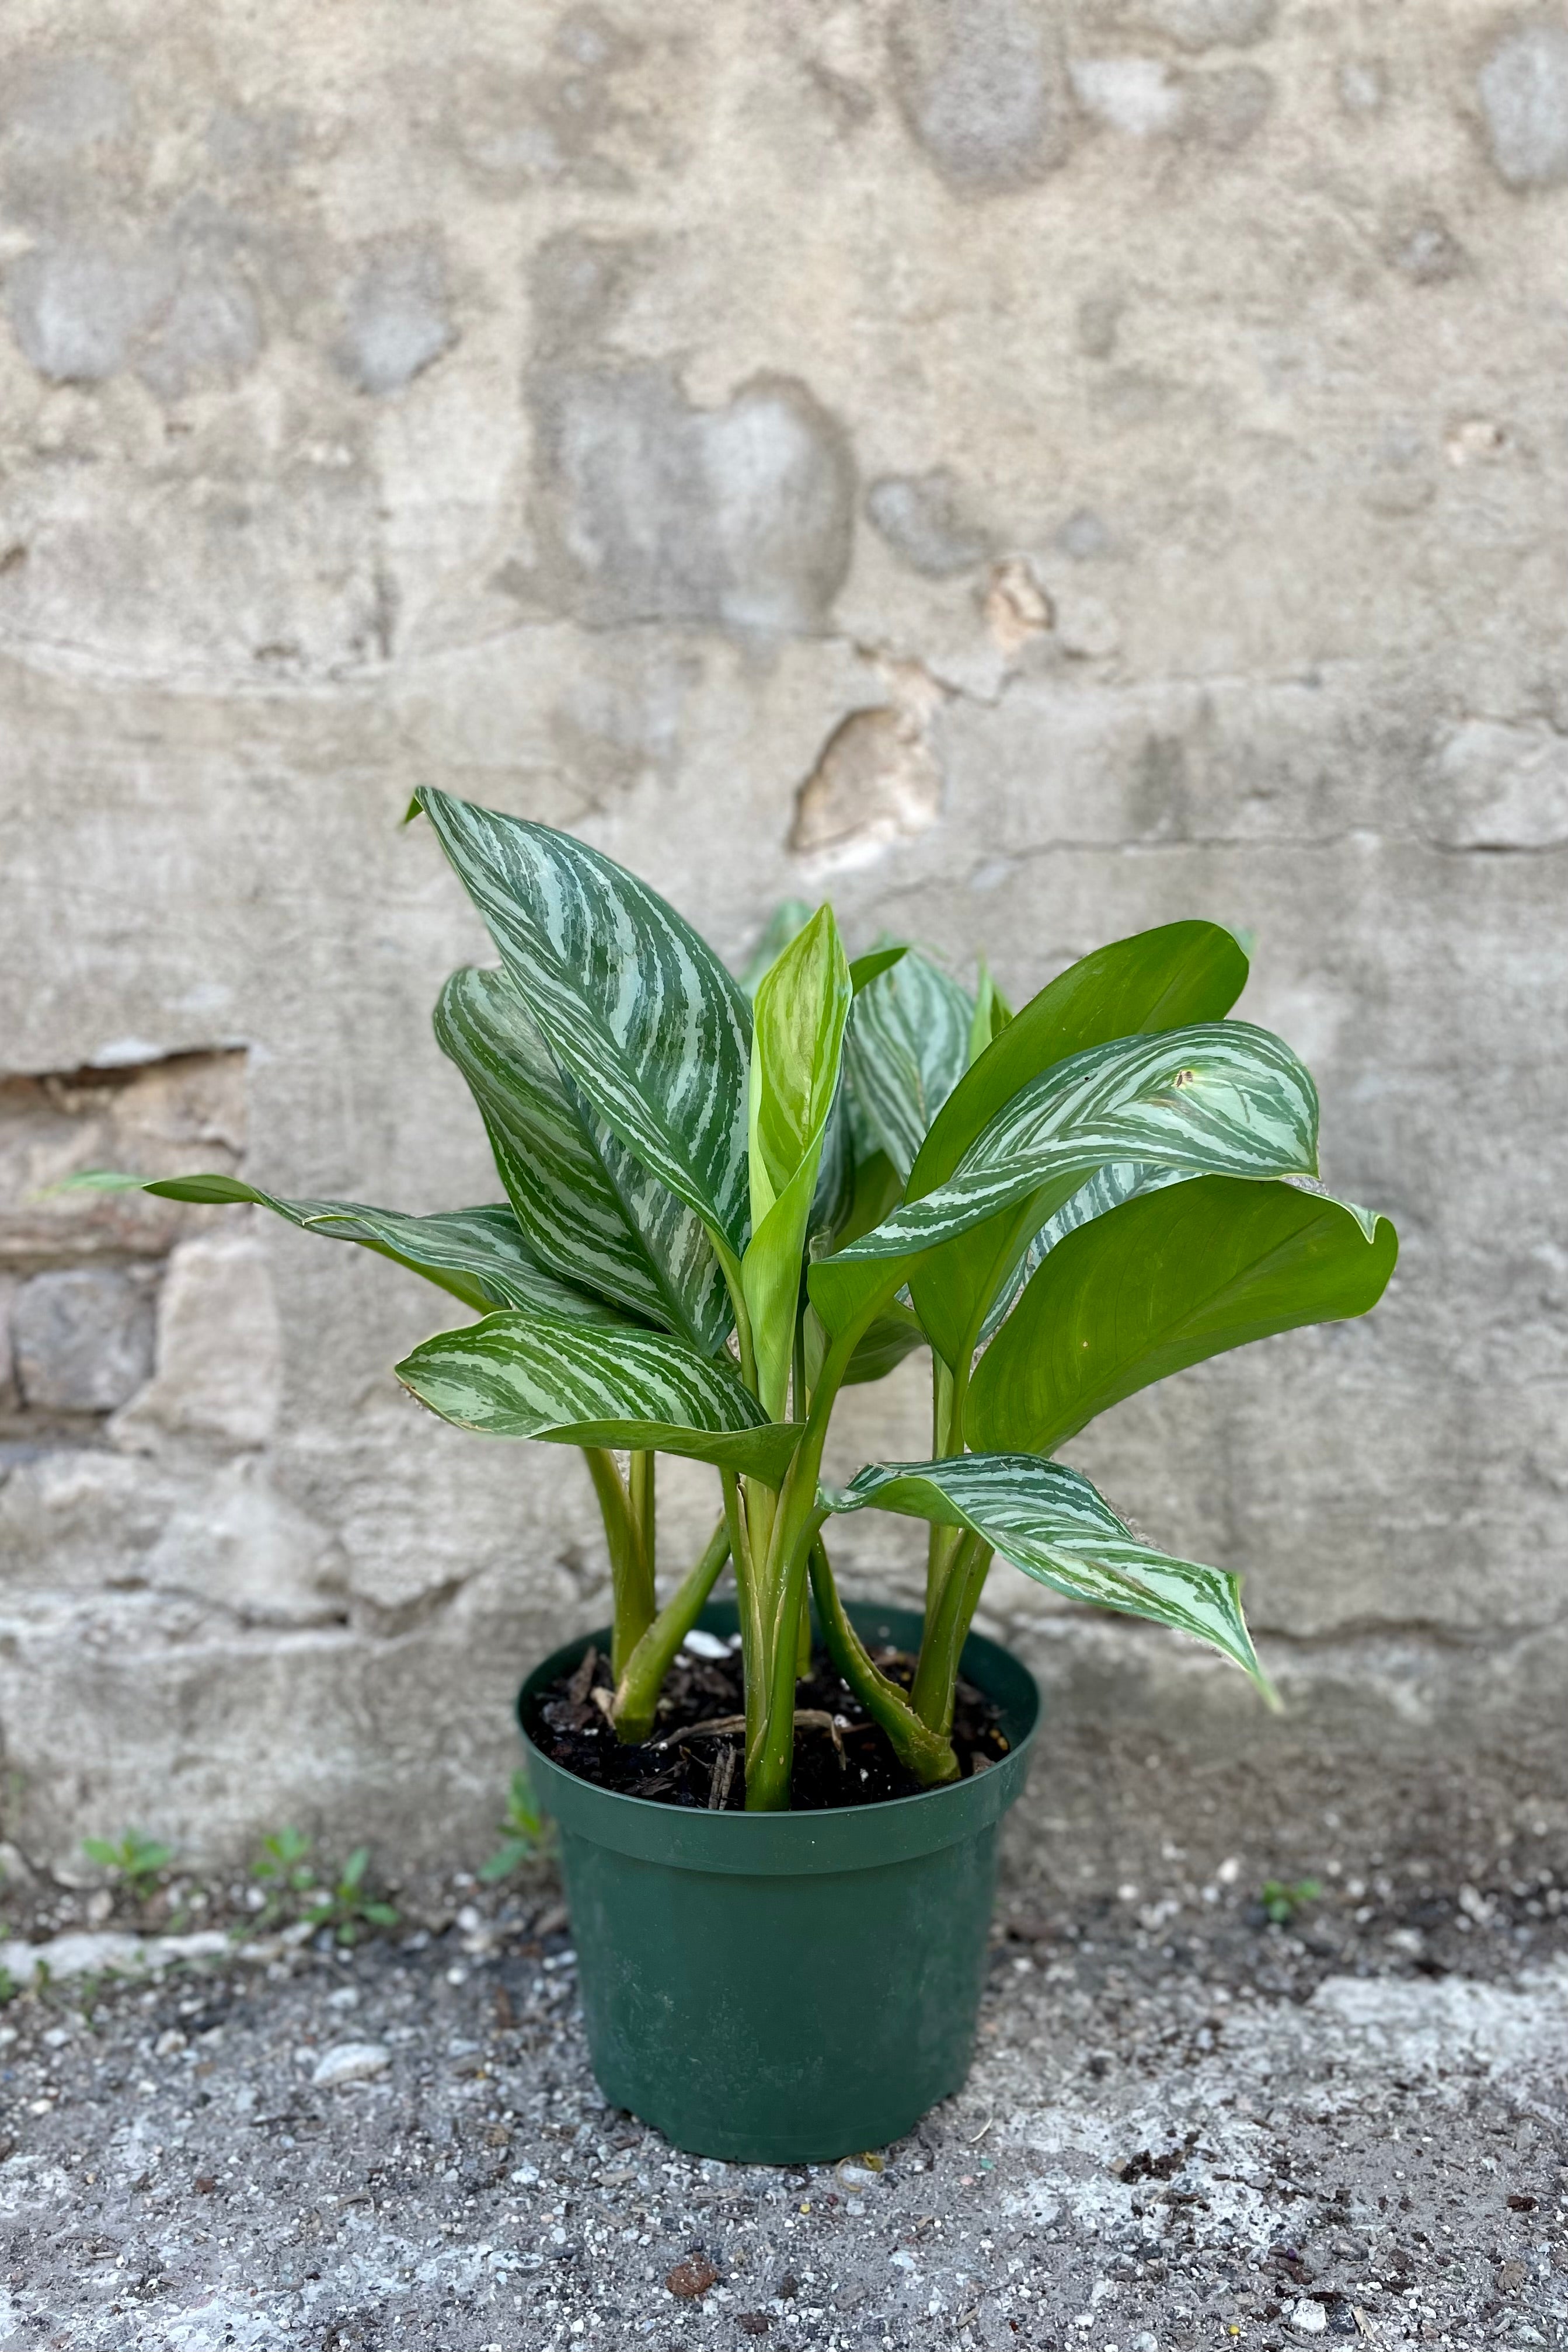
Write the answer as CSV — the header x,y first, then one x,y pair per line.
x,y
637,1688
936,1674
631,1579
951,1394
941,1413
925,1753
770,1742
753,1654
640,1494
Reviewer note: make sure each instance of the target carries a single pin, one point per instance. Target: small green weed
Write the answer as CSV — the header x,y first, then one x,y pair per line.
x,y
344,1908
8,1986
523,1832
135,1862
282,1871
1281,1901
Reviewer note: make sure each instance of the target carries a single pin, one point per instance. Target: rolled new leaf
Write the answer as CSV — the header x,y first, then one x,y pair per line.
x,y
801,1009
637,1008
1223,1099
1165,1281
572,1384
478,1256
1051,1523
589,1208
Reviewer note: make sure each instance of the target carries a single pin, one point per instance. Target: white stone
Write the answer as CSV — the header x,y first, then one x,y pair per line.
x,y
1135,95
236,1540
350,2062
1309,2318
1523,90
106,1953
1502,787
219,1365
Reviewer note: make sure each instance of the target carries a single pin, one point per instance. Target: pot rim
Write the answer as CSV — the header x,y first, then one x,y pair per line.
x,y
836,1838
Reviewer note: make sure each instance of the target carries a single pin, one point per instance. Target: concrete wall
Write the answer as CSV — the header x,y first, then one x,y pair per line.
x,y
1033,470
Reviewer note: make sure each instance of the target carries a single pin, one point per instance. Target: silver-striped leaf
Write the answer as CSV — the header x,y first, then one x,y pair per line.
x,y
637,1008
573,1384
906,1047
1051,1523
480,1256
589,1208
1221,1098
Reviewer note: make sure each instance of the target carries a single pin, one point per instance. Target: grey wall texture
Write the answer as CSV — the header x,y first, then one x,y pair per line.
x,y
1031,470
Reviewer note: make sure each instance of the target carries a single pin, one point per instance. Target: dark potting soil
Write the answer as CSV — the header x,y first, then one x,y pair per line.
x,y
841,1757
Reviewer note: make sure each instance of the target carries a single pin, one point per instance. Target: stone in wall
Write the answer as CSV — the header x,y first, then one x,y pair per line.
x,y
397,317
82,1337
982,90
1523,87
926,520
165,1117
219,1349
741,516
1497,786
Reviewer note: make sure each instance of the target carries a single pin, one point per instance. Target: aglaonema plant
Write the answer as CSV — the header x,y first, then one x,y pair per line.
x,y
726,1202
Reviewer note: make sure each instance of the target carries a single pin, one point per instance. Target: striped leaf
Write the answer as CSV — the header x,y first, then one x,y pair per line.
x,y
1167,979
573,1384
907,1048
478,1256
637,1008
1172,978
589,1209
1166,1280
1050,1522
1224,1098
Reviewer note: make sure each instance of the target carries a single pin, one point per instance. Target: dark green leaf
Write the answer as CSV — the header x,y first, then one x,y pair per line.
x,y
1170,978
873,964
1167,1280
895,1334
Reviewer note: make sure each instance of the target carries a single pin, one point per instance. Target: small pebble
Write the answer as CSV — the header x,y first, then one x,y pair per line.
x,y
1309,2318
692,2278
350,2062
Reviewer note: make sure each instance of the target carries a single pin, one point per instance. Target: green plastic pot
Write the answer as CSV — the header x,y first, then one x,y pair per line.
x,y
784,1987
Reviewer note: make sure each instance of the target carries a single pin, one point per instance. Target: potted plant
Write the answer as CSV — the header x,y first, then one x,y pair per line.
x,y
725,1203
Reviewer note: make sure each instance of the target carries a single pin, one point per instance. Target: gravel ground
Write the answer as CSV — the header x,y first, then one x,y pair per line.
x,y
1184,2126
